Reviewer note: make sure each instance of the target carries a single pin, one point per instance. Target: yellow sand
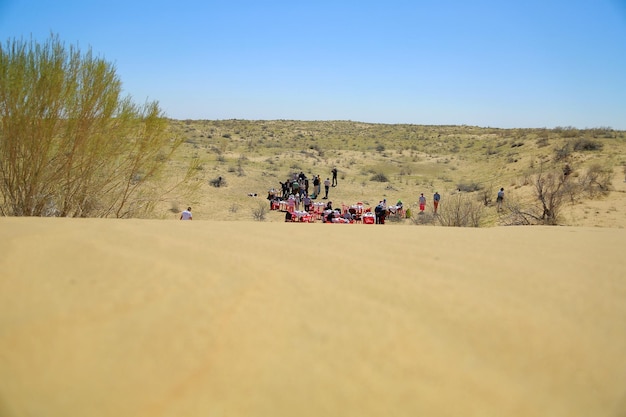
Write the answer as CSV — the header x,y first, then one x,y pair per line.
x,y
203,318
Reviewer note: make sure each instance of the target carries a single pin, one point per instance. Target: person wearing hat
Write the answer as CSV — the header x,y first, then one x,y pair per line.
x,y
436,198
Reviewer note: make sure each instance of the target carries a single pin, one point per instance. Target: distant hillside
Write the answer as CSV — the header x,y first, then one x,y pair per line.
x,y
377,161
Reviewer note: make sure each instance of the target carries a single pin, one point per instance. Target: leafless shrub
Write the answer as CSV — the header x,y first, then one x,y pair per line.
x,y
551,189
486,195
596,180
563,152
259,213
460,210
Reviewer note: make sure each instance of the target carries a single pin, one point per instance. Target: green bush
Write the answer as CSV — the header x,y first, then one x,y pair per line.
x,y
70,144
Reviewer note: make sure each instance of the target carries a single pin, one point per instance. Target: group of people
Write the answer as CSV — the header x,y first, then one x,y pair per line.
x,y
297,190
298,187
437,199
382,210
422,202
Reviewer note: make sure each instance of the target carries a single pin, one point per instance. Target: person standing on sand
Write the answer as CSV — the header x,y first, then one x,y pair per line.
x,y
326,187
316,186
422,201
186,215
500,199
306,201
334,172
436,198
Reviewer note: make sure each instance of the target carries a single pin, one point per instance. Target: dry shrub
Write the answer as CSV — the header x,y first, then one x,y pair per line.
x,y
551,190
259,213
460,210
583,144
379,177
422,218
596,180
469,187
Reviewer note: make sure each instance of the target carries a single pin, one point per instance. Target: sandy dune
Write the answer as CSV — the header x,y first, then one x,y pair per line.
x,y
202,318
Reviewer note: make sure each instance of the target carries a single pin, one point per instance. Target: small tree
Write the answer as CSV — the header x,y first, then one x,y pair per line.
x,y
70,144
551,190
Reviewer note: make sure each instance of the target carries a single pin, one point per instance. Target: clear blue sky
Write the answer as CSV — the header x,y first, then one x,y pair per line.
x,y
532,63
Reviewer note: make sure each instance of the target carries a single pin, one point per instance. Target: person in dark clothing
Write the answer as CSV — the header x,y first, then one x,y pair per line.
x,y
334,172
316,186
326,187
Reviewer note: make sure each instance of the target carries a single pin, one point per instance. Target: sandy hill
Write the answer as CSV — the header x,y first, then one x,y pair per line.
x,y
398,162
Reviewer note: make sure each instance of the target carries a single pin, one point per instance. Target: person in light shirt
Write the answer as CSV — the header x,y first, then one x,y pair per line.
x,y
186,215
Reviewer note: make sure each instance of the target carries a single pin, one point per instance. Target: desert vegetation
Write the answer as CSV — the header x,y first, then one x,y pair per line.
x,y
467,164
70,144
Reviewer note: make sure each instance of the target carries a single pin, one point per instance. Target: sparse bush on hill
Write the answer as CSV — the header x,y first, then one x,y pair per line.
x,y
603,132
596,180
379,177
469,187
70,144
259,213
561,153
567,132
583,144
551,190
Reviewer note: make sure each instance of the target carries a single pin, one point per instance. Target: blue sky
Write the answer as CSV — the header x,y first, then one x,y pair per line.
x,y
532,63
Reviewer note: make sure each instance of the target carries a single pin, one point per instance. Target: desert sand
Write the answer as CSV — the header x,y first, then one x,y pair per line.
x,y
216,318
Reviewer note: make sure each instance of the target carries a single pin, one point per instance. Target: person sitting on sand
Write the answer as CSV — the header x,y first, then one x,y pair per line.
x,y
186,215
